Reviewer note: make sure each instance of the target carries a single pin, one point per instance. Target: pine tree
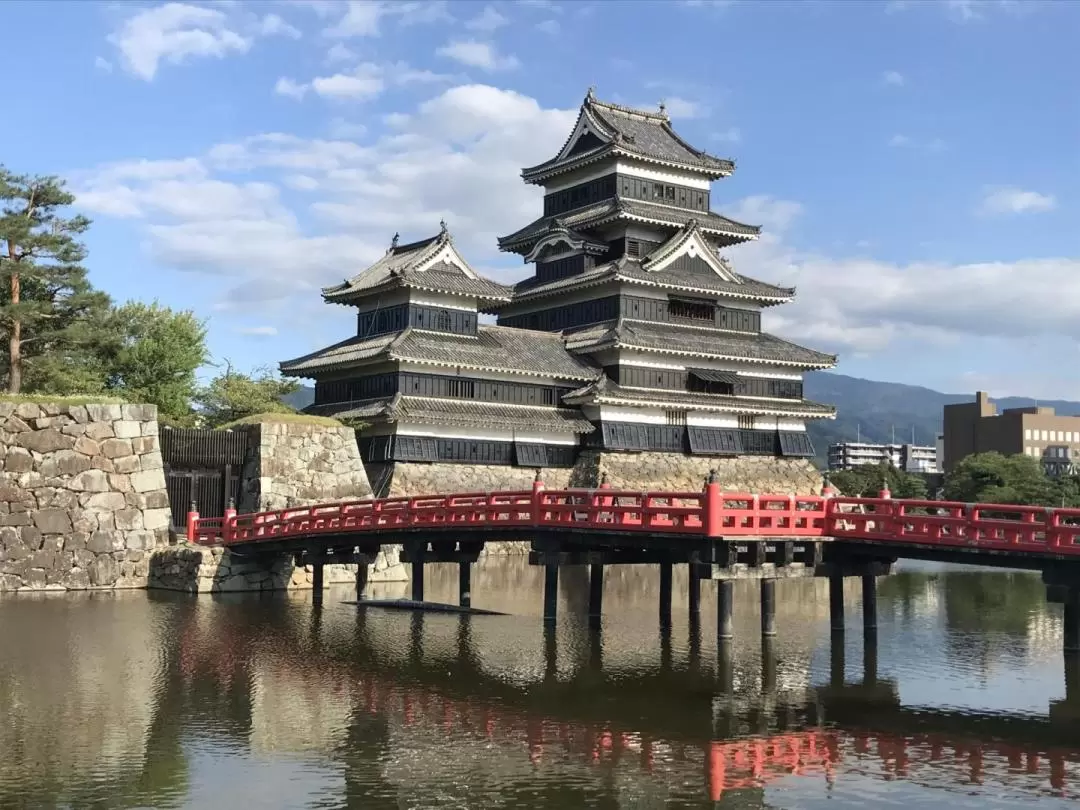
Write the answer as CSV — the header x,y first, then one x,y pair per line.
x,y
44,293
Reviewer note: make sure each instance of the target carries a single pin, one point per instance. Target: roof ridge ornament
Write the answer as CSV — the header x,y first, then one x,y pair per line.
x,y
394,243
590,95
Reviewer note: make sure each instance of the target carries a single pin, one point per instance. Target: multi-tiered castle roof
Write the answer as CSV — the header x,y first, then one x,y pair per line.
x,y
633,329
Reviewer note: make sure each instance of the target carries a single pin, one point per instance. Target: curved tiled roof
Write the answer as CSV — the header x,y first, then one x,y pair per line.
x,y
432,410
636,133
400,267
605,391
494,348
671,278
690,340
618,207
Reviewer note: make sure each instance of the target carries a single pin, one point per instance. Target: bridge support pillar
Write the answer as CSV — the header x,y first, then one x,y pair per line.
x,y
870,656
665,594
836,660
551,592
317,567
869,603
836,603
596,592
694,595
417,577
465,584
725,600
1072,619
768,608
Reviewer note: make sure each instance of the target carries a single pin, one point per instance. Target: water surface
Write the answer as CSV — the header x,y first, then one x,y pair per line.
x,y
158,700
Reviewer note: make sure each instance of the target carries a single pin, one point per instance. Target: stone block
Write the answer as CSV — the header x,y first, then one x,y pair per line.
x,y
78,414
87,446
126,429
156,500
126,464
90,481
151,461
104,541
128,519
99,430
45,441
105,501
28,410
157,519
102,570
115,448
104,413
18,460
52,521
148,480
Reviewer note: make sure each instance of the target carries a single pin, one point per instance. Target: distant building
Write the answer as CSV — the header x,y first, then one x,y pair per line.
x,y
915,458
977,427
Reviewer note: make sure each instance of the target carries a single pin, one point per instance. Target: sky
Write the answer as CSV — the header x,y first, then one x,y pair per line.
x,y
915,166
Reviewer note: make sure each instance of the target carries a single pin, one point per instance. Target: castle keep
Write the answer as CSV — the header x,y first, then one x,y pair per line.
x,y
633,336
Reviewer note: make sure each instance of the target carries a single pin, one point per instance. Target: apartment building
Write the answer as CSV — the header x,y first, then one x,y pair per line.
x,y
915,458
1037,431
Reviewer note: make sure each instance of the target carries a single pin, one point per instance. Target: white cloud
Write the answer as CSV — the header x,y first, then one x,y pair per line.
x,y
273,25
861,305
289,87
999,201
362,83
684,108
256,331
174,33
893,78
729,135
549,27
339,53
458,157
103,64
362,18
477,54
487,20
899,140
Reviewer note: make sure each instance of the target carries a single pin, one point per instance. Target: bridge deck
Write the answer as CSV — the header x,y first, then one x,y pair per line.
x,y
701,526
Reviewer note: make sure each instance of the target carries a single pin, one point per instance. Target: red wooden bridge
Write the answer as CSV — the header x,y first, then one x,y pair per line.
x,y
720,535
711,513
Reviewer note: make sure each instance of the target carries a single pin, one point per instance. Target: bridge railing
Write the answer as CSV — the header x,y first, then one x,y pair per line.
x,y
709,513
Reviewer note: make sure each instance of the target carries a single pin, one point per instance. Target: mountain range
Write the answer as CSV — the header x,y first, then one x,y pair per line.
x,y
865,409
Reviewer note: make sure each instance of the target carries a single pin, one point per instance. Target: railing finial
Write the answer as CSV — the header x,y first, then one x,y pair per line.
x,y
536,478
713,475
603,478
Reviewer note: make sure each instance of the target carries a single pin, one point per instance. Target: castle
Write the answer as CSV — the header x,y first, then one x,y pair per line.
x,y
633,350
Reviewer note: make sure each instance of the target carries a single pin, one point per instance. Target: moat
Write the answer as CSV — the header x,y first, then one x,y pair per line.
x,y
136,699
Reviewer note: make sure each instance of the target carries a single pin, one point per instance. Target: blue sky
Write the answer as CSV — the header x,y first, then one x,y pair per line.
x,y
915,165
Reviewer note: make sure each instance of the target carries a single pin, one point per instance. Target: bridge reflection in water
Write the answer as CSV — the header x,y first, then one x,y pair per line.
x,y
458,711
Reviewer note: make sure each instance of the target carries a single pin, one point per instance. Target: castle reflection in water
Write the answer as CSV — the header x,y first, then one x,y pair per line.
x,y
125,700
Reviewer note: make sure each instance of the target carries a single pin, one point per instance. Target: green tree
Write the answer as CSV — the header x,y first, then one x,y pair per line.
x,y
996,478
232,395
866,482
151,354
44,295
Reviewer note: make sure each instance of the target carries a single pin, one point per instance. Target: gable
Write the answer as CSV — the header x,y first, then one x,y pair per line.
x,y
588,134
689,252
447,259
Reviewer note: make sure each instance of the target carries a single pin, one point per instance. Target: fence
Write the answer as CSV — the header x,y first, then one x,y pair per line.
x,y
202,467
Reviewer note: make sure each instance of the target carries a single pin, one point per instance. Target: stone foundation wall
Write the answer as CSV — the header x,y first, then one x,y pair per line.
x,y
297,464
636,471
410,478
290,464
669,471
82,496
196,569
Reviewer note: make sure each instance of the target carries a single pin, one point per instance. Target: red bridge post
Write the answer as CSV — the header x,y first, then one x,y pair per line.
x,y
537,497
712,517
228,525
192,522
